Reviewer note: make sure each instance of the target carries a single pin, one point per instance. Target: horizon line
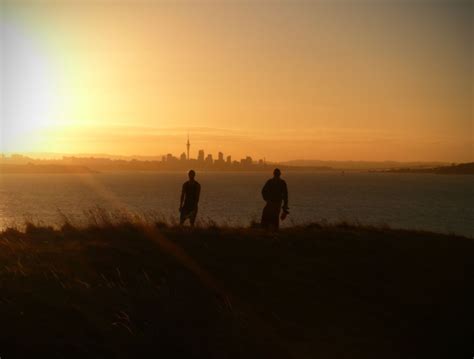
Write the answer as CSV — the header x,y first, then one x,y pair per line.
x,y
109,155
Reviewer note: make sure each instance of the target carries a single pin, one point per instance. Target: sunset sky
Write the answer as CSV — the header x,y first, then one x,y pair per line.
x,y
329,80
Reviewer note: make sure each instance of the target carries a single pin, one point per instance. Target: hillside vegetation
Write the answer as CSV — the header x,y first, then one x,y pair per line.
x,y
130,289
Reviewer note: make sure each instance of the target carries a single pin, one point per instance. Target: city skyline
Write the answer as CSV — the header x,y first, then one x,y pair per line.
x,y
209,159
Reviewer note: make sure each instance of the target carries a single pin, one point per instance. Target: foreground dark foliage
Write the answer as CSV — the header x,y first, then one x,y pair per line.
x,y
141,290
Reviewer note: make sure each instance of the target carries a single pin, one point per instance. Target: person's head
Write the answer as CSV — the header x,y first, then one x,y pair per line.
x,y
276,173
191,174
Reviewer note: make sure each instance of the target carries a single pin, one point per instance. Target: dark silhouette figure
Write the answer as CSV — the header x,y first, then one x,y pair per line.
x,y
188,205
275,192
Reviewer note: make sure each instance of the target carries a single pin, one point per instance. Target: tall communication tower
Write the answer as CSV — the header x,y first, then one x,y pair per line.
x,y
188,145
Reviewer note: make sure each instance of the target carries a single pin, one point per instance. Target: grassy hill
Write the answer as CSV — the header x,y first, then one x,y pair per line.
x,y
154,290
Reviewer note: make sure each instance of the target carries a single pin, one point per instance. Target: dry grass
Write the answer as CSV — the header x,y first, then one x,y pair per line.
x,y
123,285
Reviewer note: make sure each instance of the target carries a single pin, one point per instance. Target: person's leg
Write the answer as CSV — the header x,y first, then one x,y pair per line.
x,y
276,208
276,222
192,217
182,217
265,221
270,215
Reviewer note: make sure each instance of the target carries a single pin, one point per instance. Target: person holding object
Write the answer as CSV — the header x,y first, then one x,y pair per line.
x,y
188,205
275,193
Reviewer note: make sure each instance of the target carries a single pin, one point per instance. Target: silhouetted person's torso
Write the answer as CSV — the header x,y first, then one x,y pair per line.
x,y
191,191
275,190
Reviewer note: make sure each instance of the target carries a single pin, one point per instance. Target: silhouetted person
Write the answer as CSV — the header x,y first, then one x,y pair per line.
x,y
188,205
275,192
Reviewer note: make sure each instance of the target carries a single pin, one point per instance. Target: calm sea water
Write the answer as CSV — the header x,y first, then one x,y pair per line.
x,y
430,202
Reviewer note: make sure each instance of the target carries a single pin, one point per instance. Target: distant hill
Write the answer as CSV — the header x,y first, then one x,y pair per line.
x,y
463,168
362,165
459,169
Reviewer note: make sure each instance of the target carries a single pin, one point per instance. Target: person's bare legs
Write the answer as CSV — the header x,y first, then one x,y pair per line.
x,y
192,217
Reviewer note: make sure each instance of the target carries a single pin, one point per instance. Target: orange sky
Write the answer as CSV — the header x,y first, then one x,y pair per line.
x,y
347,80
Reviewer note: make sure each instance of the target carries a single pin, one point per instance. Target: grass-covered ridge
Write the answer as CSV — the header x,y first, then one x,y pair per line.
x,y
135,288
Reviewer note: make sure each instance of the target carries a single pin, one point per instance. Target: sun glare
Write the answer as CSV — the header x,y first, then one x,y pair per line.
x,y
28,89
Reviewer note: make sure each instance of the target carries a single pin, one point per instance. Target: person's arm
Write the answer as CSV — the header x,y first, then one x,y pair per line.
x,y
198,192
265,191
181,201
285,195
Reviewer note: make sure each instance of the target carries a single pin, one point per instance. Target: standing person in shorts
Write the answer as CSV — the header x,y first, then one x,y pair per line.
x,y
188,205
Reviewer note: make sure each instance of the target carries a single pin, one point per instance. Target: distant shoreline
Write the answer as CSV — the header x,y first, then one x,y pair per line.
x,y
47,168
44,169
461,169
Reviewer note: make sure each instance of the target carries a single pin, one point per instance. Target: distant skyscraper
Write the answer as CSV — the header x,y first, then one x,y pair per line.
x,y
209,159
188,145
220,157
201,156
229,159
246,161
183,157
